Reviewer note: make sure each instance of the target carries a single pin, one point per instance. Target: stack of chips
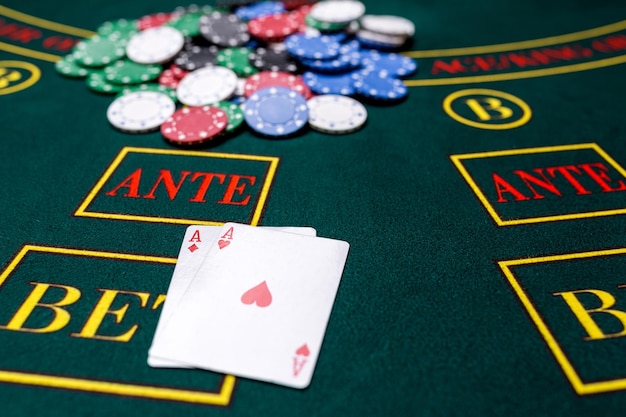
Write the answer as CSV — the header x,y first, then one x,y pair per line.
x,y
278,66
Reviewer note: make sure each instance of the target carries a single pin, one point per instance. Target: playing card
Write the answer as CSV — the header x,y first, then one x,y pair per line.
x,y
195,245
258,306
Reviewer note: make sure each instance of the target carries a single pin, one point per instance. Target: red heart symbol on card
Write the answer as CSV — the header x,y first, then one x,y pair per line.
x,y
223,243
303,350
260,295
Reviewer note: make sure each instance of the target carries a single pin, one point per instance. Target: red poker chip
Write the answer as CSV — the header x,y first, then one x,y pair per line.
x,y
168,79
266,79
299,15
154,20
273,27
194,125
178,72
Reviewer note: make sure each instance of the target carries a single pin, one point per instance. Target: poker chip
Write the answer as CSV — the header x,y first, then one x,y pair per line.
x,y
118,29
273,27
234,114
196,57
188,24
223,29
276,111
267,79
242,58
236,59
155,45
69,67
342,63
254,11
395,65
207,85
312,47
177,71
376,87
310,21
336,114
141,111
380,41
129,72
337,11
169,79
194,125
273,59
330,84
158,88
97,82
153,20
388,25
98,51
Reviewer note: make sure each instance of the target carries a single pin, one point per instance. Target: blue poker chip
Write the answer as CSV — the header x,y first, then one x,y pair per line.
x,y
380,46
342,63
375,86
392,64
256,10
305,46
342,84
276,111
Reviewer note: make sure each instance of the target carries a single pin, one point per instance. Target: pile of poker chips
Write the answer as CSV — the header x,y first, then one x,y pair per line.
x,y
277,66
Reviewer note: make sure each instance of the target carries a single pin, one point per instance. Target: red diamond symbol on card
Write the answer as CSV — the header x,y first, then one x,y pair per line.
x,y
193,248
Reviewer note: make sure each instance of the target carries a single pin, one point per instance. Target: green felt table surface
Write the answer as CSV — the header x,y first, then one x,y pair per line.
x,y
485,264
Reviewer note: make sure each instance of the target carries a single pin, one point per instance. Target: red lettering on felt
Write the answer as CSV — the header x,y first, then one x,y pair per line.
x,y
598,172
207,177
19,33
131,183
453,67
234,186
565,172
59,43
542,182
165,176
504,187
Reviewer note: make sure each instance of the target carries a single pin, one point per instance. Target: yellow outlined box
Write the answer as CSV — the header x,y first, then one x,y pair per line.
x,y
457,160
221,397
272,161
581,387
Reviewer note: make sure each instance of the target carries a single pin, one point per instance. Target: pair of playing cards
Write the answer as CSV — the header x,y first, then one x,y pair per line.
x,y
250,301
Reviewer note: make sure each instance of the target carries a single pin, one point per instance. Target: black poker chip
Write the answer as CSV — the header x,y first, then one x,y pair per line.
x,y
273,59
194,57
224,29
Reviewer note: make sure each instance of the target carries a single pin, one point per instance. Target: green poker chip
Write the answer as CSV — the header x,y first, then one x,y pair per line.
x,y
157,88
237,60
99,51
69,67
323,26
187,24
234,113
126,72
115,30
97,82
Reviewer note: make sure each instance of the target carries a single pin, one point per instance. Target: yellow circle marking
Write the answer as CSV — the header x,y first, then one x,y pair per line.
x,y
12,81
493,94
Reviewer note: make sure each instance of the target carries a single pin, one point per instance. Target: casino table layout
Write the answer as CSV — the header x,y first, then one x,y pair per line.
x,y
485,215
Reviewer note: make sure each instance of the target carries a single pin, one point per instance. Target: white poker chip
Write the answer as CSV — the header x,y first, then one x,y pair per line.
x,y
207,86
142,111
331,113
337,11
388,25
392,40
155,45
